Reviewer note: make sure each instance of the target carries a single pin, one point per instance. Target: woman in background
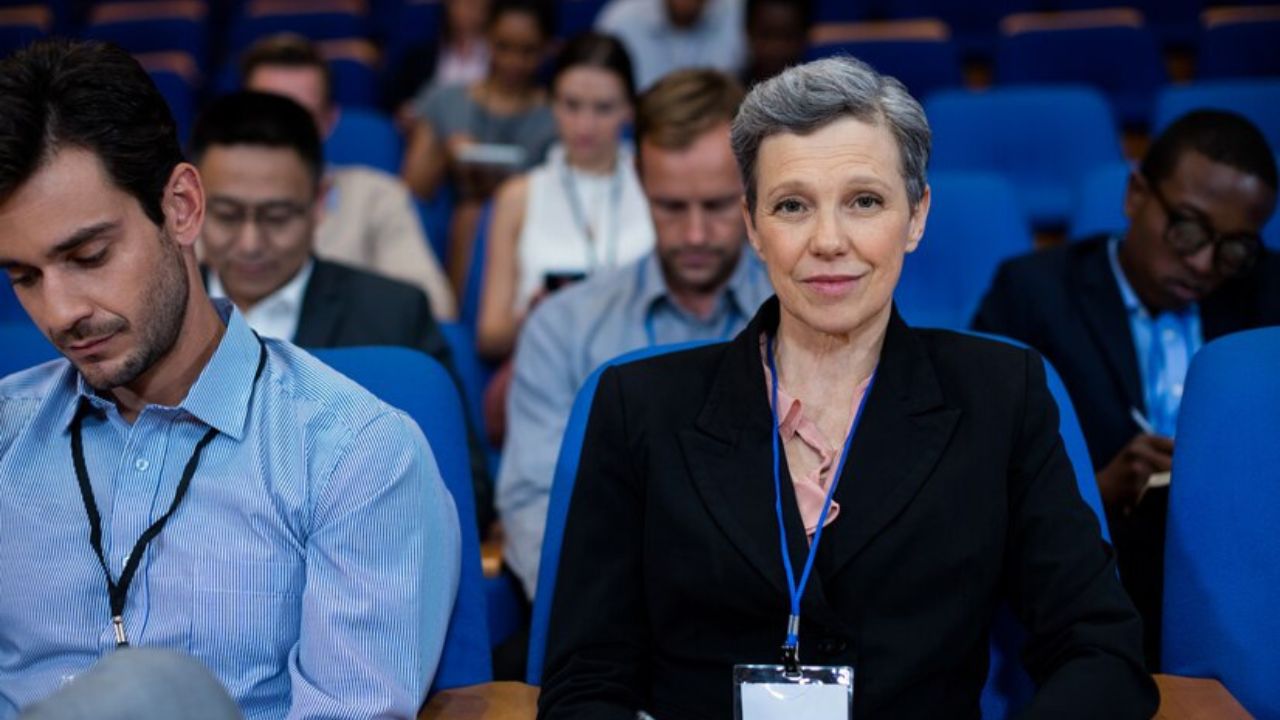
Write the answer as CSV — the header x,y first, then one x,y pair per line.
x,y
582,210
477,135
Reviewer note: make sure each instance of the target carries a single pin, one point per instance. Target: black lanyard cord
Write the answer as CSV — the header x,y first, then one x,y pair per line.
x,y
118,592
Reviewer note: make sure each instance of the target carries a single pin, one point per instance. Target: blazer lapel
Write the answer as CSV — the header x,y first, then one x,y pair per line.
x,y
904,428
321,313
1102,308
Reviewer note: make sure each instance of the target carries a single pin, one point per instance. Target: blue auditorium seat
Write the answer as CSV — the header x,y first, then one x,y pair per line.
x,y
974,224
469,310
10,309
558,506
1099,205
1239,49
24,346
355,82
922,65
363,136
1256,99
1044,139
139,33
1124,62
180,97
576,16
22,25
1221,577
336,24
420,386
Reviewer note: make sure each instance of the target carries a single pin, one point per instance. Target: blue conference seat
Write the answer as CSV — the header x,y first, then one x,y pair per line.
x,y
21,26
355,82
974,224
574,17
922,65
473,286
1221,577
558,506
1043,139
10,308
23,347
255,23
188,34
1099,202
1239,49
363,136
1258,100
180,97
420,386
1088,55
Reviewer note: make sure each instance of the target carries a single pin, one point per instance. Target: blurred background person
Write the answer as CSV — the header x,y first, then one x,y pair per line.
x,y
666,35
955,494
460,56
475,136
777,37
368,219
582,210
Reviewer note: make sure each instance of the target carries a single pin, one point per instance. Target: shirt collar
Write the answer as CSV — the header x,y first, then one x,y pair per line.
x,y
1130,298
220,395
286,300
653,285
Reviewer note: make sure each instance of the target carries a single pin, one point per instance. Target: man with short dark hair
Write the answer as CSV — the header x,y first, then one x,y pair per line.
x,y
178,481
1120,317
369,220
699,283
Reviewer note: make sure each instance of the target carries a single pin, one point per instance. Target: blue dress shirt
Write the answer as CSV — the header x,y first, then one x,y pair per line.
x,y
564,339
312,565
1164,345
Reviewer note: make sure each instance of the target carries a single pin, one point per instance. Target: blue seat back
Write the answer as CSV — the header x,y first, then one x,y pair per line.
x,y
10,309
922,65
363,136
574,17
417,384
558,505
1089,56
974,223
1241,49
1043,139
1099,202
1258,100
23,346
474,374
1008,687
1222,578
156,34
180,97
469,312
336,25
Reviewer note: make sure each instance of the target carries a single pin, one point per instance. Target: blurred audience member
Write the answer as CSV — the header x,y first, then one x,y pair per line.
x,y
369,219
580,212
700,283
261,161
177,480
777,36
1121,317
667,35
460,56
478,135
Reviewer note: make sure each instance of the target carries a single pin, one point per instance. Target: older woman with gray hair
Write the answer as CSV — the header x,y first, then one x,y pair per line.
x,y
823,515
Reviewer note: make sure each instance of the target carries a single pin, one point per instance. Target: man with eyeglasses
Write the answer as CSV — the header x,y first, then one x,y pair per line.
x,y
1121,316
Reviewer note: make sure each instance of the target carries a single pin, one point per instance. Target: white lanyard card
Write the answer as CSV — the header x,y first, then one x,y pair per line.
x,y
768,692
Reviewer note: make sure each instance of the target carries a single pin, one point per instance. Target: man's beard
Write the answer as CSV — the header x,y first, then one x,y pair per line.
x,y
156,332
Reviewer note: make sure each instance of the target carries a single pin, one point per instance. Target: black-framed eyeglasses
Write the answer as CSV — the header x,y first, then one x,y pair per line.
x,y
1186,233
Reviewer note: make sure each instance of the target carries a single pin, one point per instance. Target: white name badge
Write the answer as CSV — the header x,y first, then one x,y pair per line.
x,y
766,692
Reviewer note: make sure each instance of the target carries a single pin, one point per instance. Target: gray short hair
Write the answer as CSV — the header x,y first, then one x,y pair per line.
x,y
808,97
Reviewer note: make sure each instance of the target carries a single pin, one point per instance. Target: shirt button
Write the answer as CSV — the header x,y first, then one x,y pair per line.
x,y
141,464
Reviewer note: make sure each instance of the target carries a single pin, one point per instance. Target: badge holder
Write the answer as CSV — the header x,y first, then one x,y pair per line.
x,y
772,692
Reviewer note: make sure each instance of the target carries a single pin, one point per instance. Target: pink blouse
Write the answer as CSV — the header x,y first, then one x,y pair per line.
x,y
800,435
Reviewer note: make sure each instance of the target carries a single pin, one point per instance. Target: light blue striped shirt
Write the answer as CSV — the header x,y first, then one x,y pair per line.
x,y
312,565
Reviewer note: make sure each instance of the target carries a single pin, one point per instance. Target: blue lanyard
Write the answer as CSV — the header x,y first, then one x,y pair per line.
x,y
791,646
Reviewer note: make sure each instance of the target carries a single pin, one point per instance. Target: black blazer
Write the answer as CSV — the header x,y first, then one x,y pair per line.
x,y
1065,303
958,494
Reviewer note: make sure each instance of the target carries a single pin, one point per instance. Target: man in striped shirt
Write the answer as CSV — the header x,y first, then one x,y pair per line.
x,y
177,481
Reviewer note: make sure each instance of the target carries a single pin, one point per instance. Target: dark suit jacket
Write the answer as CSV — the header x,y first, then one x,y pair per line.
x,y
1065,303
343,306
958,494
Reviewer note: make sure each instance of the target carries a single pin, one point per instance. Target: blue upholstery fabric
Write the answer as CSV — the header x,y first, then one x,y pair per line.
x,y
1240,49
1258,100
418,385
1221,545
1099,202
922,65
974,223
22,346
364,137
558,507
1043,139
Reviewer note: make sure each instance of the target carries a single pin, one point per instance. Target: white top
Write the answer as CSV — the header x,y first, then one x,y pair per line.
x,y
276,315
553,239
717,39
